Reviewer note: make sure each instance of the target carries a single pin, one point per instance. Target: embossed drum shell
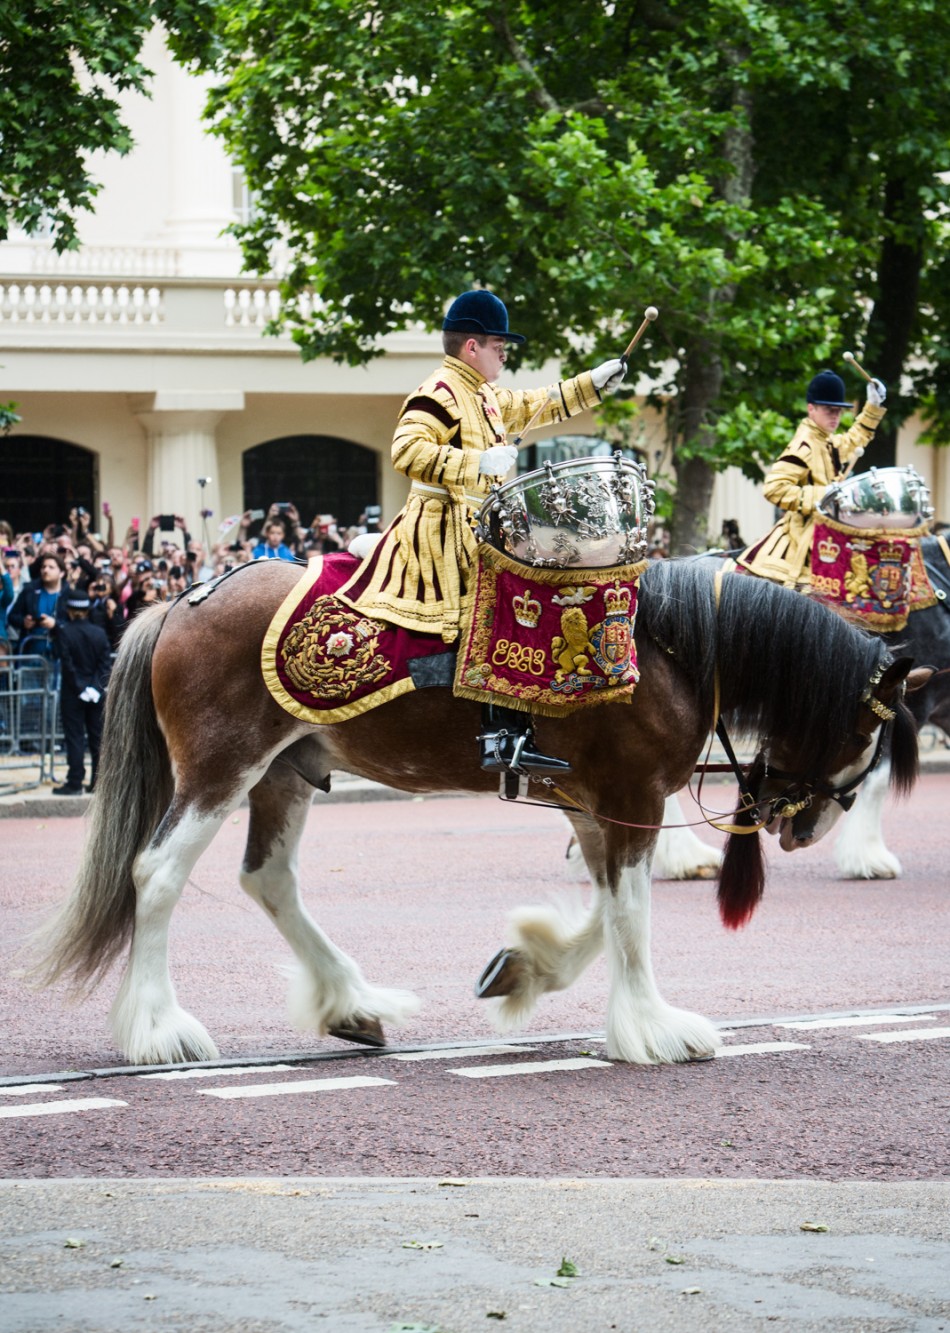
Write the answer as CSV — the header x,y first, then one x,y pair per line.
x,y
890,497
584,512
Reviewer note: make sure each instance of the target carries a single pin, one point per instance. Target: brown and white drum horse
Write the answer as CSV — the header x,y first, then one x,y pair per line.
x,y
191,731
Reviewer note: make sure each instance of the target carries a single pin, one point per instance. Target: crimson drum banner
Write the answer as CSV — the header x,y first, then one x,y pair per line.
x,y
548,640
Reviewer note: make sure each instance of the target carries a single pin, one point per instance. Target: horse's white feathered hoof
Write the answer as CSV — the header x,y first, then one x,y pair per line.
x,y
170,1038
867,863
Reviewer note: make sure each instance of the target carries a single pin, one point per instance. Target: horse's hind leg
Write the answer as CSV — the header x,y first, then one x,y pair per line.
x,y
328,992
148,1023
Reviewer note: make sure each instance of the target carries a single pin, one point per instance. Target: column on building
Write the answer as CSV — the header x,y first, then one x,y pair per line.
x,y
182,453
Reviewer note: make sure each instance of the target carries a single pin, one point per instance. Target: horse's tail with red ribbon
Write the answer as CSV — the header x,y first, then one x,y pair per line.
x,y
134,787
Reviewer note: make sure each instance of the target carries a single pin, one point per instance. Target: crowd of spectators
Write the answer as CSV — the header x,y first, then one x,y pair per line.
x,y
121,577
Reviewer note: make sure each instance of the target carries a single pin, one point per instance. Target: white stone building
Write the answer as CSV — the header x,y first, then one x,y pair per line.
x,y
139,365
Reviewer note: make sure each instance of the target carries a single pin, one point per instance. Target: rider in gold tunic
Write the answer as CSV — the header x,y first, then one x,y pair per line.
x,y
451,440
797,481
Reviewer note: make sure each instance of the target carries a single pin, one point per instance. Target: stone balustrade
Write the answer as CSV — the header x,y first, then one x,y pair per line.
x,y
80,303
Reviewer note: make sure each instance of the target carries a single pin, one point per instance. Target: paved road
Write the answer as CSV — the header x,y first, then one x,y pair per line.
x,y
417,891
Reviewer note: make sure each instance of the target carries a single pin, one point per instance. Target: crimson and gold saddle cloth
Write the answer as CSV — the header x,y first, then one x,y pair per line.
x,y
324,662
541,640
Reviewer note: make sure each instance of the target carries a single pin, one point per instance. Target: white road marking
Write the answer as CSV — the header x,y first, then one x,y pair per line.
x,y
220,1073
530,1067
813,1024
58,1108
302,1085
922,1035
24,1089
459,1053
762,1048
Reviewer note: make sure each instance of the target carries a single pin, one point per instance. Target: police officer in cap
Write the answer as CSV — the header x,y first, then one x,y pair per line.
x,y
451,440
796,481
86,657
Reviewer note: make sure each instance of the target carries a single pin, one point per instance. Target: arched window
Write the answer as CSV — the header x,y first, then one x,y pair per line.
x,y
320,474
42,479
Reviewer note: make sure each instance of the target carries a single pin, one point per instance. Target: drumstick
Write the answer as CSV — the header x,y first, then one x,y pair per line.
x,y
649,315
553,394
850,357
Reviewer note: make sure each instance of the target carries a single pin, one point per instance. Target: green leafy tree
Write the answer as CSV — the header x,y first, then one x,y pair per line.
x,y
768,175
62,63
585,162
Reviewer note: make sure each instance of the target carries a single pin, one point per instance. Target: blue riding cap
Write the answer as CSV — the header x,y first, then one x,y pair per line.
x,y
480,312
827,390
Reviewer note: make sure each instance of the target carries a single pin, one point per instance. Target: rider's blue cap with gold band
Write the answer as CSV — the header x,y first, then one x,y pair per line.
x,y
827,390
482,313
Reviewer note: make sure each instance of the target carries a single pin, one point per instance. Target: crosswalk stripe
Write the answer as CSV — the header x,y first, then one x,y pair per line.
x,y
230,1072
458,1053
762,1048
301,1085
530,1067
25,1089
58,1108
812,1025
923,1034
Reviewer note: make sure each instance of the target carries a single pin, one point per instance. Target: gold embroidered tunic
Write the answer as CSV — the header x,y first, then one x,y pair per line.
x,y
417,575
796,482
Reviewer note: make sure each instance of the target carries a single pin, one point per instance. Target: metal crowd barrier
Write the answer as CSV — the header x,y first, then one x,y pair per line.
x,y
31,740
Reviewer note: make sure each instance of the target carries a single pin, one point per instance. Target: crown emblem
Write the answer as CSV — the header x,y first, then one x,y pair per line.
x,y
828,550
617,600
527,609
890,553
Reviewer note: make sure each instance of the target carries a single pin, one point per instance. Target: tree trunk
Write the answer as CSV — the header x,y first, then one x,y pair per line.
x,y
694,465
892,321
689,528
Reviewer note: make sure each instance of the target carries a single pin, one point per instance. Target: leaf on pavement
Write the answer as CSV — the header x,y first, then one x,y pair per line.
x,y
813,1226
567,1269
422,1245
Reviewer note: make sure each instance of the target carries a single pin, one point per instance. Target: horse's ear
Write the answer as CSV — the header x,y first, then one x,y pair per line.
x,y
919,677
894,677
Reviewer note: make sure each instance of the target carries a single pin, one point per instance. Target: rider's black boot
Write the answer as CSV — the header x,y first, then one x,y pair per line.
x,y
507,744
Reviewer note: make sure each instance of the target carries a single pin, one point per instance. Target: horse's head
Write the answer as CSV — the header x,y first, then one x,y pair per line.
x,y
799,798
801,805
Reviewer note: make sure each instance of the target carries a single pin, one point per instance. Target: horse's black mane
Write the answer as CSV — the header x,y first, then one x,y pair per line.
x,y
788,666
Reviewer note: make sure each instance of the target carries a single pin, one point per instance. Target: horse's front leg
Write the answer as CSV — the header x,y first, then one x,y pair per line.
x,y
548,947
328,993
641,1027
860,852
680,854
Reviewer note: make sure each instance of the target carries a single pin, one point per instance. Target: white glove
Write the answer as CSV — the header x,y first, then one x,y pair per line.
x,y
877,392
90,695
498,459
609,376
